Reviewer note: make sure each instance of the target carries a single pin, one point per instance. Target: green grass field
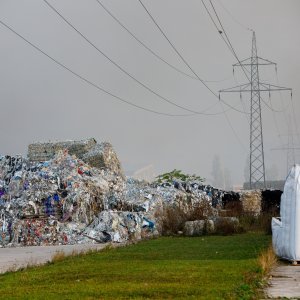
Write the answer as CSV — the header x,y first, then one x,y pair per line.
x,y
209,267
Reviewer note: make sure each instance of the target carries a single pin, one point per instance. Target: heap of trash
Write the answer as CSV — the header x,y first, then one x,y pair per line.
x,y
76,192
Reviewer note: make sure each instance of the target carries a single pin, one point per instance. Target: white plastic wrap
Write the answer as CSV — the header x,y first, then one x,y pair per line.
x,y
286,230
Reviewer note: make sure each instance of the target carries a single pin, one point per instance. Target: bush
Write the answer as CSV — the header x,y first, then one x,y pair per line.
x,y
252,222
227,226
174,217
173,220
177,175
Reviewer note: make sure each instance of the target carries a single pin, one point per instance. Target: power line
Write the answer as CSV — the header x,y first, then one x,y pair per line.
x,y
203,112
141,42
182,58
218,29
257,165
292,109
87,80
233,18
228,43
232,128
148,48
230,46
188,65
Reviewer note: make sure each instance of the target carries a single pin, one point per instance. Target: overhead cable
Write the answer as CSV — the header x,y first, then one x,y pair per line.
x,y
87,80
182,58
148,48
233,18
203,112
233,51
186,63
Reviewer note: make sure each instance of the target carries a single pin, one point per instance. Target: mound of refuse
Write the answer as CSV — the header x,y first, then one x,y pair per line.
x,y
53,201
75,192
66,201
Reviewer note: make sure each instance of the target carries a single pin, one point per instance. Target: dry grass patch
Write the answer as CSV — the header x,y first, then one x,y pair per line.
x,y
267,260
58,256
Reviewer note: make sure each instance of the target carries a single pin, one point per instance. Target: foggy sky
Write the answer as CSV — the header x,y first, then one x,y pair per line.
x,y
41,101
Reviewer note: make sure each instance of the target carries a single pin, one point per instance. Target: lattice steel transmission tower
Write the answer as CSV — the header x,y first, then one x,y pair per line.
x,y
255,87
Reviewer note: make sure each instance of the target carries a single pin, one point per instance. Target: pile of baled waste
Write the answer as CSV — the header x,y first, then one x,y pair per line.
x,y
64,199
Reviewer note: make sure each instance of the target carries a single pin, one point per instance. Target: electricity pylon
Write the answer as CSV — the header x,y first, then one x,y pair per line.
x,y
255,87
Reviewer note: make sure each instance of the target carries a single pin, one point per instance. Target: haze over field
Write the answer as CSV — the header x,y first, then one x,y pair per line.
x,y
41,101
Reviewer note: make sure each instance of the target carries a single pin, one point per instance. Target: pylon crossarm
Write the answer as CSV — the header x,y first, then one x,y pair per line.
x,y
265,61
272,87
260,62
241,62
236,89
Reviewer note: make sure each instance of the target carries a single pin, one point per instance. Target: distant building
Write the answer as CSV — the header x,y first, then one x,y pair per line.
x,y
146,173
274,184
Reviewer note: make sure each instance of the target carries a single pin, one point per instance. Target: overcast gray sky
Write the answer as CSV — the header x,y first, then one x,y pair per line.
x,y
41,101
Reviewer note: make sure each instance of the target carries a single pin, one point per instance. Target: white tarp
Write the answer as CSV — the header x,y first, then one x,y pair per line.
x,y
286,229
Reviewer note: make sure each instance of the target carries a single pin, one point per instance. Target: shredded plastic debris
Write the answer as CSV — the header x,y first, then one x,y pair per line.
x,y
85,198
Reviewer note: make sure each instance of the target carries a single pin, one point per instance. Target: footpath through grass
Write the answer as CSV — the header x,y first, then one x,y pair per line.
x,y
209,267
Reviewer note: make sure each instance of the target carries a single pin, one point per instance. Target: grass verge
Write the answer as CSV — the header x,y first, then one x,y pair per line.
x,y
210,267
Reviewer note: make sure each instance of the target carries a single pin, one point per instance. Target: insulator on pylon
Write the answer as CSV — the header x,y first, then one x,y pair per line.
x,y
219,96
233,71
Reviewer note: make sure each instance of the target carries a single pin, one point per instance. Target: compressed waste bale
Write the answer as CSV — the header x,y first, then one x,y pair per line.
x,y
40,151
101,156
75,192
192,228
251,201
62,190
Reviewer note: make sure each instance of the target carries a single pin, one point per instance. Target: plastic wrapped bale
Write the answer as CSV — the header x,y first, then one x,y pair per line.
x,y
286,229
251,202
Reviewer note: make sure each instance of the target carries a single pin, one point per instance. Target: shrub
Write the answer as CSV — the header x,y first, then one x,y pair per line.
x,y
227,226
177,175
174,217
173,220
253,222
